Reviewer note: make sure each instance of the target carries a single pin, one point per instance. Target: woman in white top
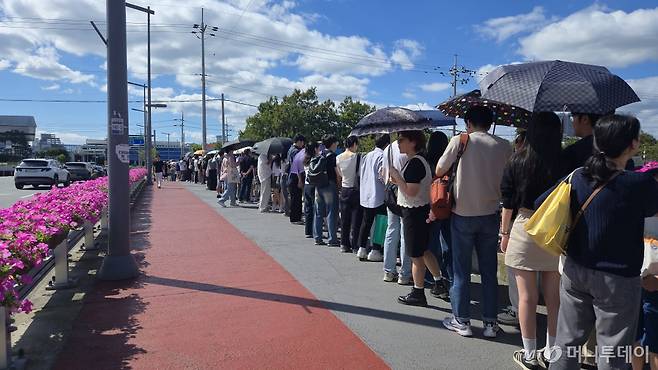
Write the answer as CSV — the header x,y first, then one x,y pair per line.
x,y
277,199
231,178
414,198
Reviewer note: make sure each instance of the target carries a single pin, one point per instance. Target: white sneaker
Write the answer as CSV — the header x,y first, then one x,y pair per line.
x,y
405,280
362,254
491,329
375,256
451,323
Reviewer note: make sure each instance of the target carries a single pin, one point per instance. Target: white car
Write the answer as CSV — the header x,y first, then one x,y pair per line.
x,y
37,172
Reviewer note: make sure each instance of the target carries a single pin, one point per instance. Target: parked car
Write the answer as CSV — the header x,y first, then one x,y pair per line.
x,y
80,171
97,171
37,172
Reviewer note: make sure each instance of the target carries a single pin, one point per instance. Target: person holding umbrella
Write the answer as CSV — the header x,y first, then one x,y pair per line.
x,y
265,178
414,198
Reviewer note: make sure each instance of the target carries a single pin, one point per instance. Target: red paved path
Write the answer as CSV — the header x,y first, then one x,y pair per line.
x,y
209,298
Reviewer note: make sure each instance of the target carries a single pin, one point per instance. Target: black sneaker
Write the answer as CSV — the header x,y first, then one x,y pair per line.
x,y
344,249
320,242
519,358
415,298
334,245
439,290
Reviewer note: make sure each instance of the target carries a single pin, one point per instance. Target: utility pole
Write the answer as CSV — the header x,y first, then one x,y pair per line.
x,y
454,72
202,31
182,134
118,264
223,122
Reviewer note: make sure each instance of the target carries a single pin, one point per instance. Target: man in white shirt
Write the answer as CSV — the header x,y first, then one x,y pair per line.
x,y
394,234
372,193
351,213
474,221
265,178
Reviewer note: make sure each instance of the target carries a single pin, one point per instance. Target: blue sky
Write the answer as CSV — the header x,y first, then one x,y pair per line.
x,y
382,52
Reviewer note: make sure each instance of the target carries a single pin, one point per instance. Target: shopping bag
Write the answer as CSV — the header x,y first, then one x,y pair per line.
x,y
549,226
379,234
650,264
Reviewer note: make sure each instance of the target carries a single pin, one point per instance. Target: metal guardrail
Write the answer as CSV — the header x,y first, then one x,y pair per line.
x,y
74,237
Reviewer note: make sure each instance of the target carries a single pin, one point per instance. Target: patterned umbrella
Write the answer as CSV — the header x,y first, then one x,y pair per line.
x,y
558,86
504,114
393,119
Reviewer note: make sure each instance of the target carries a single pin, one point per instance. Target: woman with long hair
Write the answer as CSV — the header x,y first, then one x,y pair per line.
x,y
440,239
532,170
414,183
601,285
312,149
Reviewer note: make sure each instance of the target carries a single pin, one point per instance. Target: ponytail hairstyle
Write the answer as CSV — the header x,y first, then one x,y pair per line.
x,y
311,146
613,134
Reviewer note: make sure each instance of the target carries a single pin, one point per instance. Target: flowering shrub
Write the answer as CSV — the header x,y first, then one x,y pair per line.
x,y
30,228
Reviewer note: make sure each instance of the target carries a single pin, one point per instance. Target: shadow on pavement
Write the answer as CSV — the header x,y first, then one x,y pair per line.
x,y
72,333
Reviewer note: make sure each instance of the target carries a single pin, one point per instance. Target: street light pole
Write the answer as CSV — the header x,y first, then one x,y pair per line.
x,y
147,144
118,264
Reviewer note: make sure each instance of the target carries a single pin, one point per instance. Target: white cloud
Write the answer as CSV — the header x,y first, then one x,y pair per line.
x,y
435,86
647,109
4,64
503,28
51,87
406,51
597,36
418,106
408,94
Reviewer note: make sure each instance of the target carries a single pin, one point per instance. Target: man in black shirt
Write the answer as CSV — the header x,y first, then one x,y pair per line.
x,y
576,154
293,194
247,171
158,167
327,196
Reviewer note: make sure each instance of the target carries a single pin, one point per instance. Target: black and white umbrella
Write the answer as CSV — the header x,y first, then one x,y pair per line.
x,y
558,86
394,119
273,145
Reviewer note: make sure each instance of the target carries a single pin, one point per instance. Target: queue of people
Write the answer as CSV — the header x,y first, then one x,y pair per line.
x,y
380,203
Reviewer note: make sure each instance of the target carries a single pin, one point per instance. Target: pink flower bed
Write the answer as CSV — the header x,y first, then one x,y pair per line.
x,y
29,229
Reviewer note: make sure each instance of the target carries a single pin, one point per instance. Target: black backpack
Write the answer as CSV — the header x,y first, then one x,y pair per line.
x,y
317,171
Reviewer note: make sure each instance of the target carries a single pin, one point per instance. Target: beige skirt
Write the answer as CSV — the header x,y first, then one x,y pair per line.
x,y
522,252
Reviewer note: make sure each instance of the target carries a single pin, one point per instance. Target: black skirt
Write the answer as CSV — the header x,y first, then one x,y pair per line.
x,y
416,230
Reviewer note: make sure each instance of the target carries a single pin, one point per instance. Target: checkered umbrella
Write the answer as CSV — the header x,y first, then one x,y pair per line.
x,y
558,86
394,119
504,114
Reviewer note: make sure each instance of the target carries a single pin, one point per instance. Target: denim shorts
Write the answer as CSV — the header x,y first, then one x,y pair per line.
x,y
648,324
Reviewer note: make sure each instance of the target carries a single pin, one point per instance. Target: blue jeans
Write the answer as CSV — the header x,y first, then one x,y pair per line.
x,y
309,212
480,232
441,245
395,237
326,201
229,193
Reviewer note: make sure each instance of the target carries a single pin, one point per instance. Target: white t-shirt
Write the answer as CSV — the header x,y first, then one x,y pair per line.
x,y
346,164
264,168
477,186
393,156
276,170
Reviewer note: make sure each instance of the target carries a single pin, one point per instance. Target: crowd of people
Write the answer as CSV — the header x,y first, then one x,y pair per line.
x,y
380,203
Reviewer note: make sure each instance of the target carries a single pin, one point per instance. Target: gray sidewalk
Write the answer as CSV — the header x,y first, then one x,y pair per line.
x,y
405,337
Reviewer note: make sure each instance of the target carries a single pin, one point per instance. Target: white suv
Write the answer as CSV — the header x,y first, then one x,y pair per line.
x,y
37,172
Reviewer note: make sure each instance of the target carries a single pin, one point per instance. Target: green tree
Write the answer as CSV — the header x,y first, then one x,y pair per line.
x,y
302,112
195,147
648,147
350,113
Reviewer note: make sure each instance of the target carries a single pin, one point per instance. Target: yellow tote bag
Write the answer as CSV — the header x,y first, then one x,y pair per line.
x,y
549,226
551,223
